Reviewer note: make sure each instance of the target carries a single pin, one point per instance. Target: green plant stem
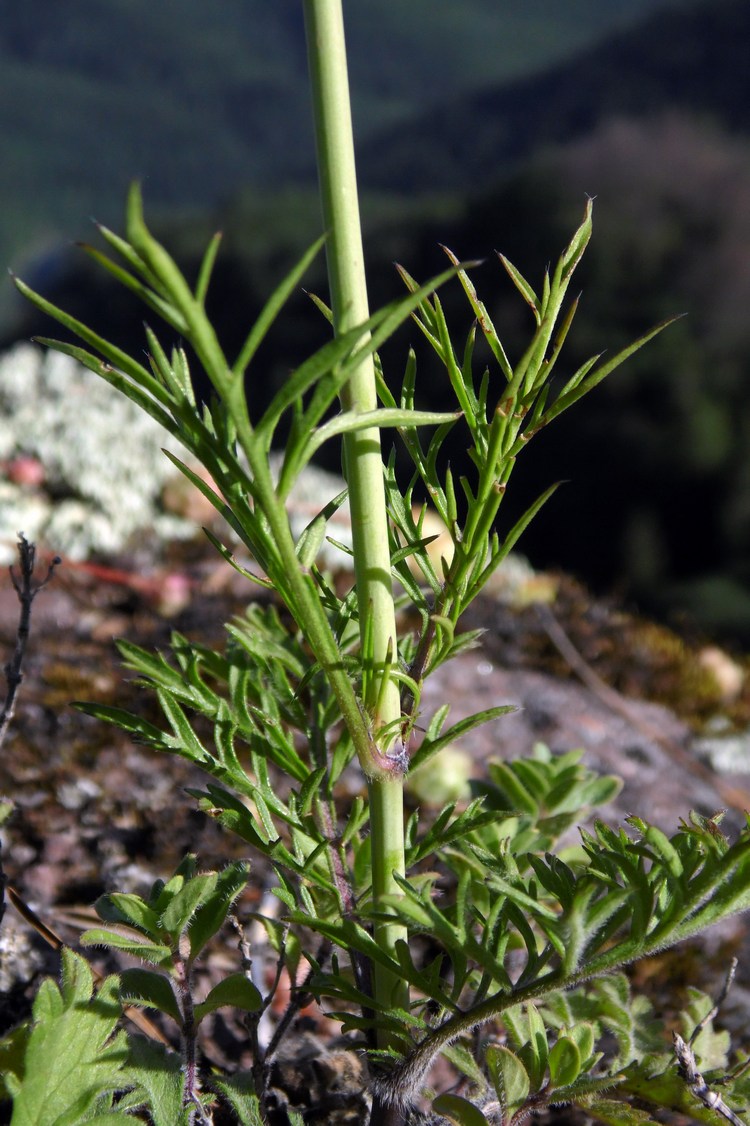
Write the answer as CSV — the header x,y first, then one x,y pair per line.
x,y
349,303
363,463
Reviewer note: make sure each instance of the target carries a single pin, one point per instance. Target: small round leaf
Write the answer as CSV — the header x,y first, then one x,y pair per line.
x,y
564,1062
459,1111
236,991
509,1077
150,991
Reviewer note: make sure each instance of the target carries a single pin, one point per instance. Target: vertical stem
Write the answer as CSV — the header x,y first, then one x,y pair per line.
x,y
190,1097
362,452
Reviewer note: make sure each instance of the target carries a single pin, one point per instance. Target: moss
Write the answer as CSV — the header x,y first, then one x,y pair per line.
x,y
634,655
647,659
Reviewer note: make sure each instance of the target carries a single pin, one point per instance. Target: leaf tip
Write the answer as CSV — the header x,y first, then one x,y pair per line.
x,y
448,253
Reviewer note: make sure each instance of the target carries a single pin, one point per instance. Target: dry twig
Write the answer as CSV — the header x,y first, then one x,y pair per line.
x,y
688,1065
27,590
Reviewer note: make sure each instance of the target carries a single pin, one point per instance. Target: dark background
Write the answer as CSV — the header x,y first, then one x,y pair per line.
x,y
481,126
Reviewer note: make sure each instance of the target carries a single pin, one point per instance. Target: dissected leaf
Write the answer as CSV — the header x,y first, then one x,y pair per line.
x,y
74,1055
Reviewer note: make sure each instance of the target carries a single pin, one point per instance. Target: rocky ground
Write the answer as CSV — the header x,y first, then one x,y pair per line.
x,y
94,812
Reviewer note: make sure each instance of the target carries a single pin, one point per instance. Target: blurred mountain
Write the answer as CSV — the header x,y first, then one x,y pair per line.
x,y
691,57
202,100
654,122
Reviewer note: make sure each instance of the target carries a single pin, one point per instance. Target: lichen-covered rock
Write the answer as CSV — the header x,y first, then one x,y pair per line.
x,y
82,472
101,457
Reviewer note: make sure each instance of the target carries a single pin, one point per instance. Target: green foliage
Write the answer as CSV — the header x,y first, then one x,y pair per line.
x,y
74,1059
170,930
70,1064
499,428
547,794
265,707
552,1057
479,917
160,1083
573,921
662,231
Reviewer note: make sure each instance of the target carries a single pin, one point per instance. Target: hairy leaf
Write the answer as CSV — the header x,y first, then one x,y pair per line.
x,y
74,1055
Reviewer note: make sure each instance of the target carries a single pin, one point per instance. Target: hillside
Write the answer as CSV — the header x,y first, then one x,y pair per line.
x,y
201,101
660,455
691,58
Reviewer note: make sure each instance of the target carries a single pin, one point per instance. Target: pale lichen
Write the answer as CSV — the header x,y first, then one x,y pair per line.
x,y
102,459
102,475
